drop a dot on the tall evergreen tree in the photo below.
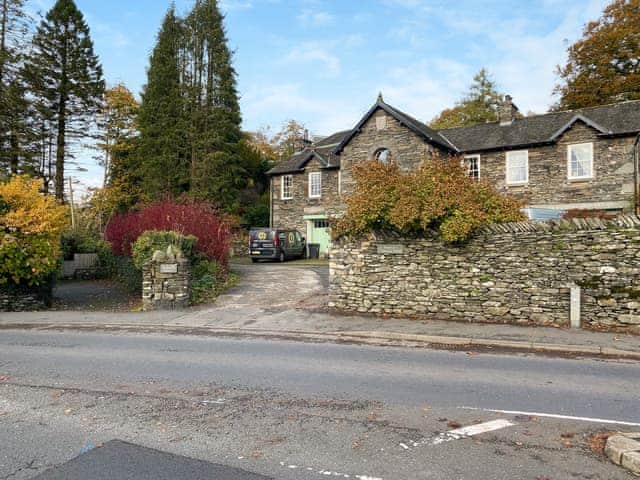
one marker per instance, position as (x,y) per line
(65,77)
(162,147)
(604,65)
(479,105)
(14,106)
(217,171)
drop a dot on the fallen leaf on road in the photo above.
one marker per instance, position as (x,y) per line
(519,444)
(453,424)
(56,395)
(472,353)
(68,411)
(442,419)
(568,435)
(356,445)
(598,441)
(567,444)
(4,378)
(257,454)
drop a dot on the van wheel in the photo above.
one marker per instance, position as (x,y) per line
(282,257)
(254,260)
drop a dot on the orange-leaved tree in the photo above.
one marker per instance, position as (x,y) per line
(30,228)
(603,66)
(439,196)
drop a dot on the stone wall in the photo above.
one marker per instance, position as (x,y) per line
(516,273)
(610,187)
(290,213)
(25,299)
(166,282)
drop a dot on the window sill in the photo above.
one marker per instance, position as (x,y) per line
(580,180)
(519,184)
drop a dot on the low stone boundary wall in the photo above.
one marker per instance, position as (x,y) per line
(515,273)
(25,299)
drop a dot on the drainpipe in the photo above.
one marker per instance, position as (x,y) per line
(636,160)
(271,202)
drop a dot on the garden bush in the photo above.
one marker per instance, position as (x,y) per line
(439,196)
(209,226)
(147,243)
(30,228)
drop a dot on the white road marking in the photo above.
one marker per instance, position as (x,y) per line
(553,415)
(461,433)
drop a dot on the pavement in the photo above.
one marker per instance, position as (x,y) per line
(289,302)
(307,411)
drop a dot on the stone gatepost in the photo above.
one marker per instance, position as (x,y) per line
(166,281)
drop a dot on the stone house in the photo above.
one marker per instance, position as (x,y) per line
(582,159)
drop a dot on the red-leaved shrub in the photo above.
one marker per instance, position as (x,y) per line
(210,227)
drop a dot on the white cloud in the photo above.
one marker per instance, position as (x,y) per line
(290,100)
(313,53)
(314,17)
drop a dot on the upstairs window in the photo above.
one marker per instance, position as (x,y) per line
(472,164)
(518,167)
(382,155)
(580,161)
(286,192)
(315,185)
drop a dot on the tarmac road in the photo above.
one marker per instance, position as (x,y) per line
(306,411)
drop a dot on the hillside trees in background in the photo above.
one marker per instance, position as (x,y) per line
(479,105)
(65,78)
(604,65)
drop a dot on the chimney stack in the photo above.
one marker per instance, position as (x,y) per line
(508,111)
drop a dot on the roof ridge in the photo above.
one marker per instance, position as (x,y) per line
(576,111)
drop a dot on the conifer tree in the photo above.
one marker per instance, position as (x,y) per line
(162,149)
(65,77)
(217,171)
(14,106)
(479,105)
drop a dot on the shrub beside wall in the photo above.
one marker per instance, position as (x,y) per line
(512,273)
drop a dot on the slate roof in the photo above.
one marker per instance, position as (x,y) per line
(324,151)
(609,120)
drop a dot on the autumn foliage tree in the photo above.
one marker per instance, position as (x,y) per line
(30,228)
(604,65)
(439,196)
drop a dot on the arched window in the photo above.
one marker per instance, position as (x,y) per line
(382,155)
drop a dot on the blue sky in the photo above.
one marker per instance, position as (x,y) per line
(323,62)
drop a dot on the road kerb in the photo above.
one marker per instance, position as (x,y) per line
(623,450)
(364,337)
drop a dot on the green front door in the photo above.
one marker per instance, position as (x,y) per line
(319,233)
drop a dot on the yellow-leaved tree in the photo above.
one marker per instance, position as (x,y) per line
(30,228)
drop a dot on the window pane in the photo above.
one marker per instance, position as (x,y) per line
(517,167)
(580,161)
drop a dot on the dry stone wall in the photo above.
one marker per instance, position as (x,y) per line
(513,273)
(25,299)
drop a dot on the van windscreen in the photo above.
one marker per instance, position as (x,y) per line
(261,234)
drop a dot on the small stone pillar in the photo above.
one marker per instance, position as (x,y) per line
(166,281)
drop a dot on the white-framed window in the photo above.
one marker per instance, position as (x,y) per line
(580,161)
(315,184)
(518,167)
(472,164)
(286,189)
